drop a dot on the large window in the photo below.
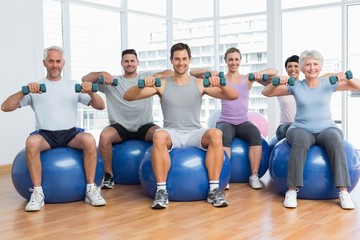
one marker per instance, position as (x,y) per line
(353,57)
(52,23)
(305,3)
(94,40)
(190,9)
(236,7)
(95,31)
(153,7)
(148,36)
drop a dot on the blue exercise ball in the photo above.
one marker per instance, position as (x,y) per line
(240,163)
(187,179)
(126,160)
(63,176)
(318,180)
(273,141)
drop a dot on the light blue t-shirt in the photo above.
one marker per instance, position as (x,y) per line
(57,108)
(313,111)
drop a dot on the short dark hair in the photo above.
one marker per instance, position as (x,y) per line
(293,58)
(179,46)
(128,51)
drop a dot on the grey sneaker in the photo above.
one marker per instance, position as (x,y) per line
(345,200)
(161,199)
(93,196)
(217,198)
(36,201)
(254,182)
(290,199)
(107,181)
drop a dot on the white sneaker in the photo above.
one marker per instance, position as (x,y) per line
(93,196)
(254,182)
(36,201)
(227,186)
(290,199)
(345,200)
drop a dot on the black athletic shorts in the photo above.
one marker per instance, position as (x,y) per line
(58,138)
(140,134)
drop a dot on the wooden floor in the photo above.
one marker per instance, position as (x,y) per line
(252,214)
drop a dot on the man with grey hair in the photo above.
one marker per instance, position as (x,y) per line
(56,114)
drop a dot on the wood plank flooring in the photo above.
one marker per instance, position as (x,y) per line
(252,214)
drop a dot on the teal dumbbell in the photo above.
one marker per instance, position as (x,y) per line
(276,81)
(265,77)
(141,83)
(94,87)
(206,81)
(114,83)
(222,79)
(334,79)
(25,89)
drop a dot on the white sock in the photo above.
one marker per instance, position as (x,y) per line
(213,184)
(161,185)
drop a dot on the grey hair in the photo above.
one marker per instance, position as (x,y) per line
(54,48)
(310,54)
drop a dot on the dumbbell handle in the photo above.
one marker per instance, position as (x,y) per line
(206,81)
(78,87)
(276,81)
(114,83)
(25,89)
(251,77)
(141,83)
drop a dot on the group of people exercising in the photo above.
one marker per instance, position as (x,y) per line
(305,119)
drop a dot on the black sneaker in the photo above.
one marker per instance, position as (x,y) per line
(107,181)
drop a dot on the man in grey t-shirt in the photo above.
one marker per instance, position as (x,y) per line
(128,120)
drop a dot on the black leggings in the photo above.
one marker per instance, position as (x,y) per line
(246,131)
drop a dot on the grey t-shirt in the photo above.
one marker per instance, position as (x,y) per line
(130,114)
(181,105)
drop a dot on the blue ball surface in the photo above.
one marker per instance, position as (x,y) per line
(187,179)
(126,160)
(273,141)
(63,176)
(240,163)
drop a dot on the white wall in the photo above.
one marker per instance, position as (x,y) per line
(21,46)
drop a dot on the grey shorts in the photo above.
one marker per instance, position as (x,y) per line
(186,138)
